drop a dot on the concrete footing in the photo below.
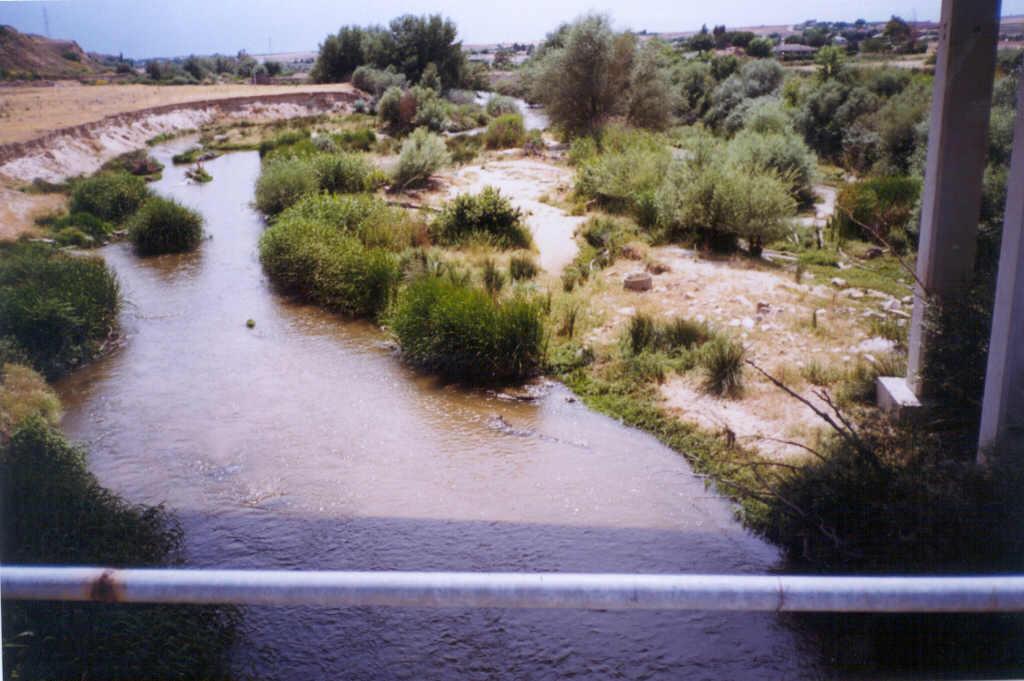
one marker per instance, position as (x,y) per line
(895,397)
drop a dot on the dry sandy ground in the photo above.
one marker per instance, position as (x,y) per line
(769,312)
(29,112)
(760,304)
(524,181)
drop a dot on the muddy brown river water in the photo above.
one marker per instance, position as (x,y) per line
(304,443)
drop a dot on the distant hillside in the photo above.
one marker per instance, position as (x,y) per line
(23,55)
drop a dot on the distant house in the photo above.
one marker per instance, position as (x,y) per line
(792,51)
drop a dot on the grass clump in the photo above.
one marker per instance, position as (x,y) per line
(165,226)
(55,512)
(199,174)
(645,334)
(465,334)
(505,132)
(328,264)
(57,310)
(464,148)
(282,182)
(135,163)
(190,155)
(423,153)
(722,362)
(109,196)
(521,268)
(487,215)
(24,394)
(345,173)
(365,217)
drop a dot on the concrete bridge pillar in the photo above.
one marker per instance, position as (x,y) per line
(951,201)
(1002,417)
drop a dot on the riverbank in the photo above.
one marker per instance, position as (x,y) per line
(64,131)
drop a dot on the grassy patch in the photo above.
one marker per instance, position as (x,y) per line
(55,512)
(56,308)
(165,226)
(109,196)
(465,334)
(487,215)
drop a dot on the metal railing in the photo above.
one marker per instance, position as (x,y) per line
(784,593)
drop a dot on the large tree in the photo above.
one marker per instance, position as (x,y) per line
(340,55)
(585,82)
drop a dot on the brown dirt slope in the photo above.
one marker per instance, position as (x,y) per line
(23,55)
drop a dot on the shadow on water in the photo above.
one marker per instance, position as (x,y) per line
(304,443)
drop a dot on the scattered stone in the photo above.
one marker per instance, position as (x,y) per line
(689,296)
(876,346)
(660,289)
(872,253)
(638,281)
(742,300)
(838,283)
(748,323)
(907,300)
(891,304)
(250,323)
(655,267)
(627,311)
(734,322)
(763,307)
(854,293)
(630,252)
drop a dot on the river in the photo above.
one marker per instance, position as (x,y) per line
(305,443)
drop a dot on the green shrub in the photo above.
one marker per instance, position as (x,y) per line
(375,80)
(522,267)
(431,110)
(55,512)
(285,139)
(464,334)
(72,236)
(365,217)
(329,266)
(343,173)
(282,182)
(355,140)
(875,208)
(717,202)
(785,154)
(487,214)
(500,105)
(464,117)
(58,309)
(722,361)
(190,155)
(165,226)
(463,148)
(423,153)
(505,132)
(672,337)
(109,196)
(626,174)
(493,278)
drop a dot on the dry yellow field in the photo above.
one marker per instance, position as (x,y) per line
(30,112)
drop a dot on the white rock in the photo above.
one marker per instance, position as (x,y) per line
(748,323)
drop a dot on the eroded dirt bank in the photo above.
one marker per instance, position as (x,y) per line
(82,149)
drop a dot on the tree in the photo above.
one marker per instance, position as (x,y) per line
(195,67)
(703,41)
(274,68)
(340,55)
(413,42)
(155,69)
(584,83)
(649,102)
(830,60)
(760,48)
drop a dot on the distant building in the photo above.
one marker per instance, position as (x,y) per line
(791,51)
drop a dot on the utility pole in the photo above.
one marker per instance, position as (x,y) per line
(46,22)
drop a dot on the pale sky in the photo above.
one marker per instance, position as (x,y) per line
(151,28)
